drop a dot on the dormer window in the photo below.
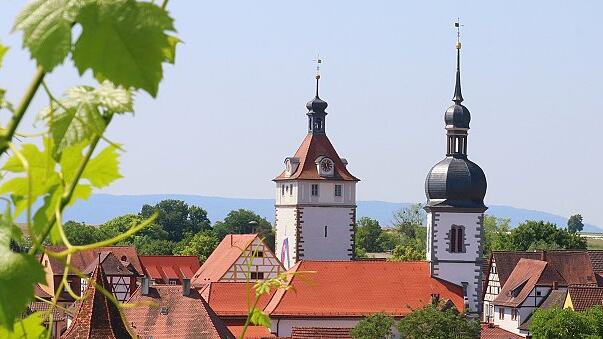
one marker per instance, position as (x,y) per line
(326,166)
(291,165)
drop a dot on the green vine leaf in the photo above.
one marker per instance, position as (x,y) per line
(3,50)
(32,327)
(19,273)
(46,27)
(103,169)
(81,113)
(133,33)
(259,318)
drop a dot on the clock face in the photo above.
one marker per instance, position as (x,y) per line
(326,165)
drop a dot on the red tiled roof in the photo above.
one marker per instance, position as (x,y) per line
(222,258)
(253,332)
(522,280)
(495,332)
(585,297)
(41,292)
(186,316)
(360,288)
(97,316)
(41,306)
(165,267)
(233,298)
(596,260)
(314,146)
(81,260)
(320,332)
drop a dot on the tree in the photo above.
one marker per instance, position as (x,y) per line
(125,222)
(389,239)
(375,326)
(574,223)
(177,218)
(407,217)
(201,244)
(146,245)
(497,234)
(438,321)
(407,253)
(557,323)
(534,235)
(244,221)
(367,235)
(81,234)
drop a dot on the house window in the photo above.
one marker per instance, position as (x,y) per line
(257,275)
(337,190)
(259,254)
(538,293)
(501,313)
(514,314)
(493,269)
(457,239)
(291,189)
(173,281)
(314,190)
(326,230)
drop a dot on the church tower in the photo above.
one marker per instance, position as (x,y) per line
(455,189)
(315,197)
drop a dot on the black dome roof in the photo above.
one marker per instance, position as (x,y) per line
(317,105)
(458,116)
(456,182)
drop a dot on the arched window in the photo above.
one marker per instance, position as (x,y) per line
(457,239)
(326,230)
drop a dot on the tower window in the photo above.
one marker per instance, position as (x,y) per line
(337,190)
(282,189)
(291,189)
(457,239)
(314,190)
(326,230)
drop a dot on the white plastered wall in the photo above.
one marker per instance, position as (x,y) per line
(337,244)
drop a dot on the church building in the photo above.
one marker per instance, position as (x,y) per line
(455,189)
(315,197)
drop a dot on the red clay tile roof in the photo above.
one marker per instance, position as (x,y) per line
(187,316)
(585,297)
(222,258)
(41,292)
(97,316)
(320,332)
(522,280)
(253,332)
(596,260)
(81,260)
(165,267)
(232,298)
(496,332)
(314,146)
(360,288)
(111,265)
(41,306)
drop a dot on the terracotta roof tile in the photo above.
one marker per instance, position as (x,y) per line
(232,298)
(320,332)
(585,297)
(314,146)
(97,316)
(596,260)
(495,332)
(220,260)
(165,267)
(174,315)
(253,332)
(522,280)
(81,260)
(349,288)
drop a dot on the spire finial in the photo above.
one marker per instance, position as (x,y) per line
(318,61)
(458,96)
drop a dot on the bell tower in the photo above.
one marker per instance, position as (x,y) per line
(315,211)
(455,188)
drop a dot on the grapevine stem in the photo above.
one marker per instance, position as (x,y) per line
(8,134)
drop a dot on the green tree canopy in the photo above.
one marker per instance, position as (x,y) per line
(406,218)
(556,323)
(123,223)
(201,244)
(574,223)
(82,234)
(534,235)
(497,234)
(367,235)
(244,221)
(438,322)
(376,326)
(177,218)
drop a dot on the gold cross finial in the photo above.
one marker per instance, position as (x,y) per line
(318,61)
(458,26)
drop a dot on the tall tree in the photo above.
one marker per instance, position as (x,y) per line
(497,234)
(367,235)
(81,234)
(438,321)
(405,219)
(534,235)
(375,326)
(201,244)
(574,223)
(556,323)
(244,221)
(177,218)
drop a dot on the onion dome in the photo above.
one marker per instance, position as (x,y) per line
(316,112)
(317,105)
(456,181)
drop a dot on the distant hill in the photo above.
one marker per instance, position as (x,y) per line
(102,207)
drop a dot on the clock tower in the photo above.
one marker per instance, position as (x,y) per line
(315,197)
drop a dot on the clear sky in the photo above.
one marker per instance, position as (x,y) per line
(233,107)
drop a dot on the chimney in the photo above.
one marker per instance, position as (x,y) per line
(554,285)
(186,287)
(543,255)
(230,240)
(145,285)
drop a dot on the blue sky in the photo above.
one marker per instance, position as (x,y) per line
(233,107)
